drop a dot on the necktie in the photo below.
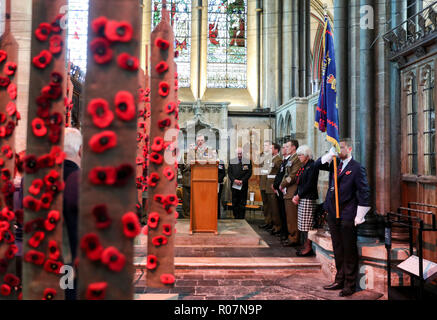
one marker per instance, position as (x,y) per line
(340,167)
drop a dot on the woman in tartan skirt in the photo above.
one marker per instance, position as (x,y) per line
(306,197)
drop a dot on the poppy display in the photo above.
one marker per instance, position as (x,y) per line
(156,158)
(52,91)
(101,216)
(131,225)
(3,56)
(43,31)
(49,294)
(96,291)
(161,67)
(46,161)
(38,127)
(159,241)
(31,203)
(56,44)
(98,25)
(10,68)
(171,199)
(42,60)
(12,91)
(30,164)
(99,110)
(52,219)
(169,173)
(55,132)
(159,198)
(4,82)
(11,252)
(102,175)
(113,259)
(116,31)
(57,154)
(128,62)
(158,144)
(36,186)
(51,178)
(54,252)
(162,43)
(90,243)
(125,107)
(102,53)
(11,279)
(103,141)
(170,107)
(153,179)
(164,89)
(167,278)
(34,257)
(53,266)
(124,173)
(36,239)
(152,262)
(153,220)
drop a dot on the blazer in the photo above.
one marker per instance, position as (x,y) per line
(353,189)
(263,174)
(307,181)
(275,167)
(221,172)
(240,171)
(280,174)
(289,180)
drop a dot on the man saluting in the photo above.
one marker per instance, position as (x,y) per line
(354,203)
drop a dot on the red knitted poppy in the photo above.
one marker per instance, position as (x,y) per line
(42,60)
(102,53)
(170,107)
(152,262)
(96,291)
(113,259)
(98,25)
(53,266)
(56,44)
(153,179)
(38,127)
(164,89)
(131,225)
(46,161)
(43,31)
(102,175)
(11,279)
(162,43)
(161,67)
(4,82)
(156,158)
(56,24)
(57,154)
(90,243)
(118,31)
(54,252)
(10,68)
(11,252)
(34,257)
(100,213)
(103,141)
(167,278)
(5,290)
(153,220)
(171,199)
(169,173)
(125,107)
(158,144)
(128,62)
(31,203)
(52,218)
(36,239)
(99,110)
(49,294)
(3,56)
(52,91)
(159,241)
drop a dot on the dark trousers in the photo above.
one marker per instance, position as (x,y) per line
(344,242)
(282,214)
(186,198)
(239,200)
(219,198)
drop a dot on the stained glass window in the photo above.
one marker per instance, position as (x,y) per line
(180,15)
(227,44)
(77,32)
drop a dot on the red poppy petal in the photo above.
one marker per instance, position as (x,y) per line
(164,89)
(153,220)
(131,225)
(152,262)
(96,291)
(35,257)
(125,107)
(128,62)
(118,31)
(102,53)
(103,141)
(100,213)
(162,43)
(161,67)
(42,60)
(99,110)
(167,278)
(49,294)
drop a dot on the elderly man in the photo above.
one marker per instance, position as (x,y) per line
(265,161)
(239,173)
(272,198)
(354,203)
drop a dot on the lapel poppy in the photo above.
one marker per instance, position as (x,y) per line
(159,241)
(36,239)
(98,25)
(118,31)
(46,161)
(96,291)
(38,127)
(43,31)
(161,67)
(53,266)
(164,123)
(127,62)
(156,158)
(100,213)
(42,60)
(54,252)
(152,262)
(103,141)
(124,173)
(3,55)
(36,186)
(4,82)
(348,173)
(102,53)
(52,218)
(99,110)
(153,220)
(31,203)
(102,175)
(153,179)
(162,43)
(12,91)
(11,279)
(49,294)
(5,290)
(11,252)
(34,257)
(166,230)
(169,173)
(56,44)
(167,278)
(131,225)
(158,144)
(113,259)
(164,89)
(90,243)
(10,68)
(56,24)
(125,107)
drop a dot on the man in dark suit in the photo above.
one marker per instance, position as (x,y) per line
(239,173)
(354,203)
(221,178)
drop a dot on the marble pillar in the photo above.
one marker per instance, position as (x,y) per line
(287,49)
(295,84)
(270,56)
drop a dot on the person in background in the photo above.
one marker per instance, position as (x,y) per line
(221,179)
(18,207)
(305,197)
(239,173)
(272,198)
(72,162)
(264,167)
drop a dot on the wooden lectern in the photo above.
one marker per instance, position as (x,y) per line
(204,197)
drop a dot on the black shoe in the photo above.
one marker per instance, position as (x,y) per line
(333,286)
(308,254)
(346,293)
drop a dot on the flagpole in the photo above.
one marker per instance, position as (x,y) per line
(337,209)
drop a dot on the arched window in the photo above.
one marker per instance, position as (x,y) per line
(227,44)
(180,16)
(77,32)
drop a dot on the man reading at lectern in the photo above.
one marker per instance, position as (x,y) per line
(239,172)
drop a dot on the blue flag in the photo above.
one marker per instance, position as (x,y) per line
(327,111)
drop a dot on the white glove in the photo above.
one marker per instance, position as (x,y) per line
(327,158)
(361,213)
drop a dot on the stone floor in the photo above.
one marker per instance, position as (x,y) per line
(259,276)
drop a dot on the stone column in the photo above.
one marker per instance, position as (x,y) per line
(258,52)
(302,37)
(341,59)
(270,55)
(295,84)
(287,49)
(279,69)
(307,57)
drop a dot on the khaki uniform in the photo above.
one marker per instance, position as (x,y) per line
(289,182)
(264,167)
(272,199)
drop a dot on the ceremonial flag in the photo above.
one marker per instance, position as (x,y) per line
(327,110)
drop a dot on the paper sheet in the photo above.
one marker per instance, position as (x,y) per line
(236,186)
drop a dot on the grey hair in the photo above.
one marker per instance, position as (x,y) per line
(305,150)
(72,141)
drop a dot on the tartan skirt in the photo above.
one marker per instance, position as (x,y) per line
(305,214)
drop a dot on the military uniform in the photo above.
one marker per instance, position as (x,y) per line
(221,178)
(239,170)
(272,198)
(289,183)
(264,167)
